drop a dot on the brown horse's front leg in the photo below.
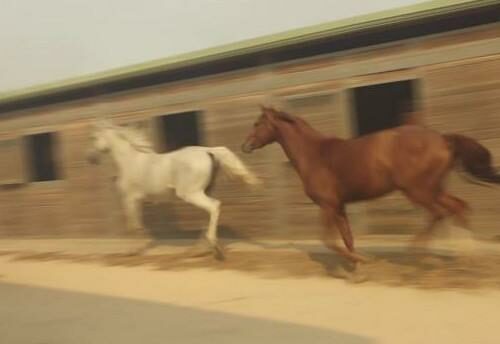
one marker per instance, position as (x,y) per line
(335,220)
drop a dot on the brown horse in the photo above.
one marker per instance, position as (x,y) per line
(334,171)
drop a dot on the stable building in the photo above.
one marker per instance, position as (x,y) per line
(440,59)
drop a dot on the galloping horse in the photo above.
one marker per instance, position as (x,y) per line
(334,171)
(142,173)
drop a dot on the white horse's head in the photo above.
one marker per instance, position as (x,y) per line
(100,139)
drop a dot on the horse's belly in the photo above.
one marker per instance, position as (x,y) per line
(159,195)
(369,187)
(366,194)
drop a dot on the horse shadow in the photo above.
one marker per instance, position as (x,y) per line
(163,224)
(418,268)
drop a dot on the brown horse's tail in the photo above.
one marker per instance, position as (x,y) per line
(475,158)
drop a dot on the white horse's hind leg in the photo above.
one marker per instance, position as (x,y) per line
(212,206)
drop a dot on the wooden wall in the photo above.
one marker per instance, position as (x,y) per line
(465,98)
(458,91)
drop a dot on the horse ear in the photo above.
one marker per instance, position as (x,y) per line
(272,114)
(265,109)
(284,116)
(267,113)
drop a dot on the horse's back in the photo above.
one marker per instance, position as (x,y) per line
(179,169)
(191,158)
(417,153)
(414,139)
(371,165)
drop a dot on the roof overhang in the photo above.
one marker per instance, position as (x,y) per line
(183,66)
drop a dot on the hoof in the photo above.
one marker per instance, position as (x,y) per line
(131,253)
(364,259)
(206,248)
(417,246)
(340,272)
(143,249)
(357,278)
(218,252)
(199,250)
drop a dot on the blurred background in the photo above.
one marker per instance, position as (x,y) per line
(194,72)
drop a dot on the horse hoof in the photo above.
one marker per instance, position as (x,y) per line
(417,246)
(218,252)
(199,251)
(339,272)
(366,259)
(357,278)
(131,254)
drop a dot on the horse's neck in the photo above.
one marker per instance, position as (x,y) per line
(301,144)
(122,154)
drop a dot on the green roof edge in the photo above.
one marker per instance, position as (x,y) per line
(376,19)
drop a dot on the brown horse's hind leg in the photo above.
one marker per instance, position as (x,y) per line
(428,201)
(335,221)
(423,237)
(455,206)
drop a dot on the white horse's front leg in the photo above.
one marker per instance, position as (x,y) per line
(133,210)
(134,214)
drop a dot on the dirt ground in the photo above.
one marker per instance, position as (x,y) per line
(406,268)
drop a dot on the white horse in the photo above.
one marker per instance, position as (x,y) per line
(143,173)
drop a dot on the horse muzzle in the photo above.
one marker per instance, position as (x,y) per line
(93,157)
(247,147)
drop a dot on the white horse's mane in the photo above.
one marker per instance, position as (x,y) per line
(136,138)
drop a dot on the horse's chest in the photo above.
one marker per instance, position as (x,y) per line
(320,185)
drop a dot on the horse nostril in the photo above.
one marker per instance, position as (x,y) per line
(92,158)
(246,148)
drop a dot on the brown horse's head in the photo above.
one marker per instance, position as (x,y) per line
(265,129)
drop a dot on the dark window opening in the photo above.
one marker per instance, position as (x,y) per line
(383,106)
(179,130)
(42,157)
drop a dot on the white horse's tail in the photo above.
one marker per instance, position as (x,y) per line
(232,165)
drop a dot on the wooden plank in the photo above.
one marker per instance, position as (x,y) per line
(320,111)
(350,64)
(455,103)
(459,77)
(245,211)
(13,162)
(470,76)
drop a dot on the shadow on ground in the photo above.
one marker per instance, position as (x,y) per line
(38,315)
(403,268)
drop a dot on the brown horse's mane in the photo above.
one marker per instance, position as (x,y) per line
(302,125)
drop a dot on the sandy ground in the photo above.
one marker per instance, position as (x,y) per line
(408,298)
(446,264)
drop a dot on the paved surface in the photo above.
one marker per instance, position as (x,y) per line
(31,315)
(61,302)
(57,302)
